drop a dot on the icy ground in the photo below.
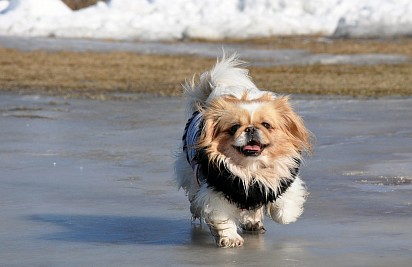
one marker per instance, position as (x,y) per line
(211,19)
(89,183)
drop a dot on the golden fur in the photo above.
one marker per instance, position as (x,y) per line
(286,138)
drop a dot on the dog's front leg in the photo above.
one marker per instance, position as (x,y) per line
(221,217)
(224,230)
(288,207)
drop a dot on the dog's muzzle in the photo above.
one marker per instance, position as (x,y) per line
(253,146)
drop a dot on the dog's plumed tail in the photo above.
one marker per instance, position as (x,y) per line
(228,77)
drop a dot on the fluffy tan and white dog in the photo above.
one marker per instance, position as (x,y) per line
(242,149)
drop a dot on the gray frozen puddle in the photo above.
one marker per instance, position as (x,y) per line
(88,183)
(257,57)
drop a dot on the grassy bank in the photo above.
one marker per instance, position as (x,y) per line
(94,74)
(314,44)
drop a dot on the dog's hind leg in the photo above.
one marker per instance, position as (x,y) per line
(251,221)
(185,179)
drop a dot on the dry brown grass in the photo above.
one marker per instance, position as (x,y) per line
(314,44)
(349,80)
(94,74)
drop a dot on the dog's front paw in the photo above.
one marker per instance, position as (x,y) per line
(229,241)
(226,235)
(288,207)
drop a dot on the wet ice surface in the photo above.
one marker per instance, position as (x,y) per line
(258,57)
(89,183)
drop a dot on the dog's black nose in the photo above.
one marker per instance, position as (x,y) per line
(250,130)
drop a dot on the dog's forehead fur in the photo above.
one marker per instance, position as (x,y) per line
(230,110)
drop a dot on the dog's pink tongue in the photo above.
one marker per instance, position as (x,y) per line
(251,148)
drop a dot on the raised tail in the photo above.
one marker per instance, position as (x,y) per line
(227,77)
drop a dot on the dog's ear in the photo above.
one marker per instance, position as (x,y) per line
(293,125)
(208,132)
(212,115)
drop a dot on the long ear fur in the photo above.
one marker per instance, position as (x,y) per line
(293,125)
(211,115)
(208,133)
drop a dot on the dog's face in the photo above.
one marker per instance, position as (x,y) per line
(252,131)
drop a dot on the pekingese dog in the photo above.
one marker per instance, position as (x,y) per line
(241,153)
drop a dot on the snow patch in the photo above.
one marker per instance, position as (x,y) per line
(210,19)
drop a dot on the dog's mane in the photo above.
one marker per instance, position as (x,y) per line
(221,179)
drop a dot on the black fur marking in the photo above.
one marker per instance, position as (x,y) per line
(187,124)
(185,133)
(220,179)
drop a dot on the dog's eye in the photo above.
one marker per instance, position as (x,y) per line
(266,125)
(234,129)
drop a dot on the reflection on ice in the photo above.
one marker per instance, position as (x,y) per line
(116,229)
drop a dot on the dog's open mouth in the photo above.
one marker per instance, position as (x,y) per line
(252,148)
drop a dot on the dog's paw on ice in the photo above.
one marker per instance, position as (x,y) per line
(229,242)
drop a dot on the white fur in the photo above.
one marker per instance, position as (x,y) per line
(226,78)
(251,107)
(223,217)
(289,206)
(220,215)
